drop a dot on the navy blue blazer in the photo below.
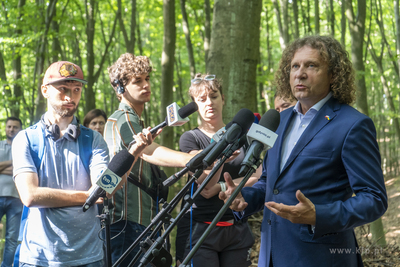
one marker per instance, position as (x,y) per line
(332,160)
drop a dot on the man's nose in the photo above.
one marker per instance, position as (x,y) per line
(301,73)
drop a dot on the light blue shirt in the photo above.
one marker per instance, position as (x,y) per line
(297,126)
(61,236)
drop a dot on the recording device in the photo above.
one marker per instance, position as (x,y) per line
(197,161)
(194,164)
(261,137)
(110,178)
(240,124)
(176,117)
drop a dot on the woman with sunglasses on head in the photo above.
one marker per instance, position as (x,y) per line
(230,242)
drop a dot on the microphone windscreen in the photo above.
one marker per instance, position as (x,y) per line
(270,120)
(244,118)
(187,110)
(121,162)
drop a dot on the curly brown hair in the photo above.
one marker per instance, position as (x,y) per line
(211,85)
(127,67)
(340,67)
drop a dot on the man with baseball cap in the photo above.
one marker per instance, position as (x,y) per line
(54,173)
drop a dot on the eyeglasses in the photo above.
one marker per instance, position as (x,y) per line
(206,78)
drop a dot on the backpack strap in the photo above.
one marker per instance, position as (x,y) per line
(85,141)
(36,143)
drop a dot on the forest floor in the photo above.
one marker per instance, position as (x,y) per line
(372,255)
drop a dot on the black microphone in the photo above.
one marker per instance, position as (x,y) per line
(194,164)
(110,178)
(261,137)
(240,124)
(176,117)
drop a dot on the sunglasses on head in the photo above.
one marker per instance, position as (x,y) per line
(206,78)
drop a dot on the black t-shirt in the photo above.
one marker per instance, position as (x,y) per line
(206,209)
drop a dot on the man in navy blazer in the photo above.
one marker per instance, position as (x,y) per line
(326,152)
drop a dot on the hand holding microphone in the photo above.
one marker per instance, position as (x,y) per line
(110,180)
(176,117)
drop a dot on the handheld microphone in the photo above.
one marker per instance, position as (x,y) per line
(261,137)
(194,164)
(176,117)
(110,178)
(240,124)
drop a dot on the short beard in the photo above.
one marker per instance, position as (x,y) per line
(62,112)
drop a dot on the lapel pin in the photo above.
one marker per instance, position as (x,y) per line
(327,117)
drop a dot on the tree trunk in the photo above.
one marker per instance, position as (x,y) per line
(186,31)
(234,52)
(167,68)
(129,40)
(296,19)
(316,16)
(357,29)
(40,58)
(331,17)
(207,29)
(343,23)
(91,75)
(397,19)
(90,54)
(282,21)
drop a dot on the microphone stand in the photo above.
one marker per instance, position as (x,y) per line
(221,212)
(163,216)
(153,251)
(105,221)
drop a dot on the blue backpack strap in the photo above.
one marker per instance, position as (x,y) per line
(85,141)
(36,143)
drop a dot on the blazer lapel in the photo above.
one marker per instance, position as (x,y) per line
(324,116)
(275,162)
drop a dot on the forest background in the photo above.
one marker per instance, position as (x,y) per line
(239,41)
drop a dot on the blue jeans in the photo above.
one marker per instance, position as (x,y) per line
(120,243)
(93,264)
(12,208)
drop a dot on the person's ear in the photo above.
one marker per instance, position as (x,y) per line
(223,100)
(45,91)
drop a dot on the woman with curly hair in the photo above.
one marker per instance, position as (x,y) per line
(323,176)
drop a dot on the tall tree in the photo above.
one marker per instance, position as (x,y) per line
(129,40)
(281,12)
(17,69)
(343,23)
(357,30)
(316,16)
(40,58)
(92,74)
(186,31)
(207,29)
(234,52)
(167,67)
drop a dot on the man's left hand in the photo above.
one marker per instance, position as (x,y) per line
(303,212)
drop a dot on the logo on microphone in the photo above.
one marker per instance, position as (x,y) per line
(171,113)
(108,181)
(262,133)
